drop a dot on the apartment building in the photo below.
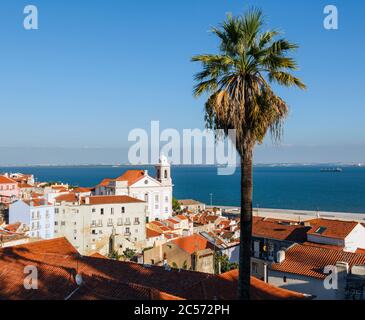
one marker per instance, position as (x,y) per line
(38,215)
(90,222)
(9,190)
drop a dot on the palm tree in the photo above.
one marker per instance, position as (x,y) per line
(237,81)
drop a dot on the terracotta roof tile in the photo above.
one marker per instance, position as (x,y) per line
(332,228)
(310,260)
(280,230)
(94,200)
(58,262)
(152,233)
(132,176)
(192,243)
(6,180)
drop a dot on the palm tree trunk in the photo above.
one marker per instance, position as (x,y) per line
(246,226)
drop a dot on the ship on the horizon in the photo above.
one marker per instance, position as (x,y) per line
(331,170)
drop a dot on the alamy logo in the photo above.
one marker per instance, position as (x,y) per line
(194,146)
(31,278)
(31,18)
(330,22)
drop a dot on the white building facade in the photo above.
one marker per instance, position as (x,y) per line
(89,222)
(37,215)
(156,192)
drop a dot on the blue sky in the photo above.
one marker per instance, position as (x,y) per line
(96,70)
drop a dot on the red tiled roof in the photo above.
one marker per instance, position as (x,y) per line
(6,180)
(181,217)
(94,200)
(310,260)
(192,243)
(13,227)
(132,176)
(333,228)
(68,197)
(221,286)
(152,233)
(58,262)
(105,182)
(98,255)
(24,186)
(279,229)
(173,221)
(38,202)
(82,190)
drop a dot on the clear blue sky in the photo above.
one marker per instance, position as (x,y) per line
(97,69)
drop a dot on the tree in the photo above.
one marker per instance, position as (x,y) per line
(129,253)
(222,263)
(114,255)
(238,83)
(176,205)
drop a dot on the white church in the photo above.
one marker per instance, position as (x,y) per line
(156,192)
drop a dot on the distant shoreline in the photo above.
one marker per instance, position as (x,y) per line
(271,165)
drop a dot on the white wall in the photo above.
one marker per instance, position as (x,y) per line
(301,284)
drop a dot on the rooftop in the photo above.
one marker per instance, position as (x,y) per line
(94,200)
(309,260)
(103,279)
(192,243)
(6,180)
(331,228)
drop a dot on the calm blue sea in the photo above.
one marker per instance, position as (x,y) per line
(302,187)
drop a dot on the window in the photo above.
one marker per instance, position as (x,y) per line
(254,267)
(284,279)
(112,211)
(165,174)
(127,221)
(156,198)
(93,223)
(320,230)
(56,210)
(127,230)
(166,210)
(102,211)
(136,220)
(63,223)
(93,210)
(110,222)
(120,222)
(167,199)
(56,223)
(123,209)
(146,197)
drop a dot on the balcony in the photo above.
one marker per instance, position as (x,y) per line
(127,234)
(136,223)
(110,224)
(127,223)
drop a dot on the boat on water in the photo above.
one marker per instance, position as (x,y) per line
(331,170)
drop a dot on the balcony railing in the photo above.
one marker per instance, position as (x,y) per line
(127,234)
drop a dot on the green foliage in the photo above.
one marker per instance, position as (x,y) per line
(185,265)
(129,253)
(238,79)
(225,265)
(175,205)
(174,265)
(114,255)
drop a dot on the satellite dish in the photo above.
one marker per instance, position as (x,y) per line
(78,279)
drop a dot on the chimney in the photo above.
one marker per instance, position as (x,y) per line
(280,256)
(87,200)
(342,269)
